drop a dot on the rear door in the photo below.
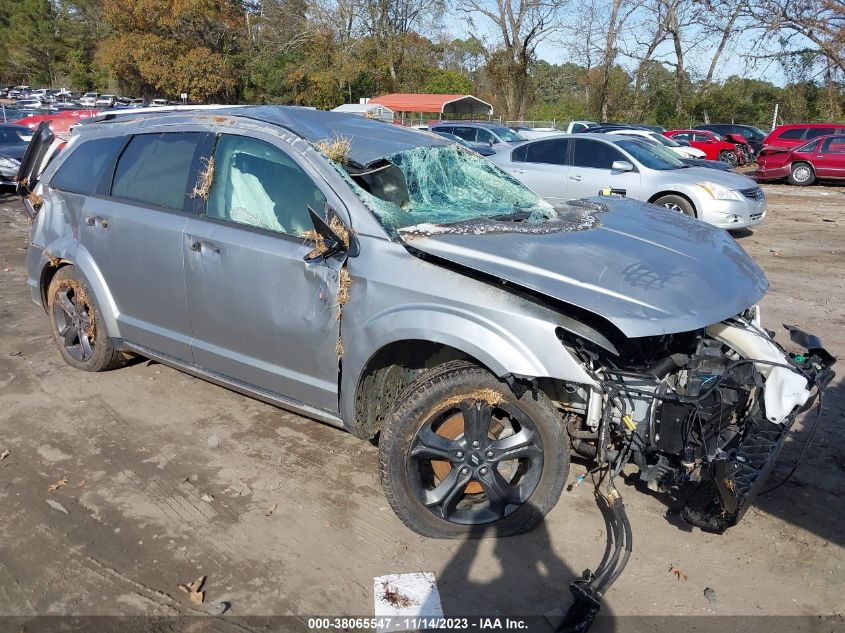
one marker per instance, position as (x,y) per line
(261,314)
(542,165)
(829,160)
(136,235)
(591,172)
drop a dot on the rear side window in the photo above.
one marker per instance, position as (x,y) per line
(83,171)
(155,169)
(835,145)
(815,132)
(594,154)
(551,152)
(793,133)
(466,133)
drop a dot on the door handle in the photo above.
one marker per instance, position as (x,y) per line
(578,178)
(196,246)
(90,220)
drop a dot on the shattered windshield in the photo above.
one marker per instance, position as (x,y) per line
(444,185)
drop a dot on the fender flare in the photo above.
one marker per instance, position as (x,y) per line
(67,251)
(539,353)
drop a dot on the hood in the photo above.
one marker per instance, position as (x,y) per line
(646,270)
(692,175)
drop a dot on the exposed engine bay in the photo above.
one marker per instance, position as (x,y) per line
(701,414)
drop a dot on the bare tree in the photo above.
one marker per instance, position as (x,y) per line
(519,26)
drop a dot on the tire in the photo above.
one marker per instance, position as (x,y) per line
(76,331)
(471,482)
(676,203)
(729,157)
(801,174)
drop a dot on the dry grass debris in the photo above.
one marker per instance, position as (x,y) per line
(81,298)
(335,148)
(35,200)
(490,396)
(320,246)
(206,180)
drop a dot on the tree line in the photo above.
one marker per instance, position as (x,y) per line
(641,60)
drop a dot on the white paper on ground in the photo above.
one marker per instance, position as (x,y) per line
(399,596)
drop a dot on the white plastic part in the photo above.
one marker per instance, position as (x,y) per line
(784,388)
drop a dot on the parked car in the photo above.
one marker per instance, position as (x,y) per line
(14,140)
(753,135)
(819,159)
(797,134)
(709,164)
(89,99)
(534,132)
(482,332)
(474,132)
(583,165)
(482,148)
(580,126)
(60,123)
(106,101)
(18,92)
(159,103)
(681,151)
(711,144)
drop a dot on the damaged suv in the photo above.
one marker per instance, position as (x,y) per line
(396,285)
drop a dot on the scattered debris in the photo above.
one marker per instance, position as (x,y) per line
(679,573)
(35,200)
(709,594)
(271,510)
(775,252)
(490,396)
(80,297)
(54,261)
(219,608)
(394,597)
(214,440)
(207,498)
(4,454)
(338,347)
(194,590)
(57,485)
(336,148)
(81,483)
(411,594)
(56,506)
(343,291)
(16,354)
(320,246)
(206,180)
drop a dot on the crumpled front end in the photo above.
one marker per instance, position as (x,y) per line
(703,415)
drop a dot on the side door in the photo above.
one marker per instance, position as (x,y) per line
(829,161)
(135,235)
(542,165)
(260,313)
(591,170)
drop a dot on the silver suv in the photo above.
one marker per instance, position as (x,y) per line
(396,285)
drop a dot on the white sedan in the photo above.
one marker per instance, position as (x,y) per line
(683,151)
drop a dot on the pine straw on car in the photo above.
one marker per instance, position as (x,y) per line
(491,396)
(81,298)
(320,246)
(206,180)
(335,148)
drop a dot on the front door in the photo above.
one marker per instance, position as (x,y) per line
(542,166)
(591,171)
(260,313)
(830,158)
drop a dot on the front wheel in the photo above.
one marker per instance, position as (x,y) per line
(462,455)
(676,203)
(729,157)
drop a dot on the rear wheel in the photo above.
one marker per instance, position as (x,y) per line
(802,174)
(676,203)
(729,157)
(462,454)
(75,320)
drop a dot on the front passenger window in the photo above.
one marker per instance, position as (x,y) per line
(257,184)
(595,154)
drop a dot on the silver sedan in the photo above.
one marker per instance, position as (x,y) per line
(571,166)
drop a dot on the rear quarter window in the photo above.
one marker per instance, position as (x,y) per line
(89,165)
(792,133)
(155,168)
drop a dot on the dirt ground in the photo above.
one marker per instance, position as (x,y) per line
(169,478)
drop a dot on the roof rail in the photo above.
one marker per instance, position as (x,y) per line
(111,115)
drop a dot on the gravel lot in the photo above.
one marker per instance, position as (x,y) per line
(169,478)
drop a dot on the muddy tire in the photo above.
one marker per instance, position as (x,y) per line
(676,203)
(74,321)
(462,456)
(729,157)
(801,174)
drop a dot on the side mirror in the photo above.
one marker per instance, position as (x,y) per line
(622,165)
(327,241)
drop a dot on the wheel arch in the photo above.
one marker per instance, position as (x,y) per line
(680,194)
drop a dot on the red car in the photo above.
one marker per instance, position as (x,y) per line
(823,157)
(798,134)
(709,143)
(60,123)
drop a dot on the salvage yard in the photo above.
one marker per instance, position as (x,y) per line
(115,488)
